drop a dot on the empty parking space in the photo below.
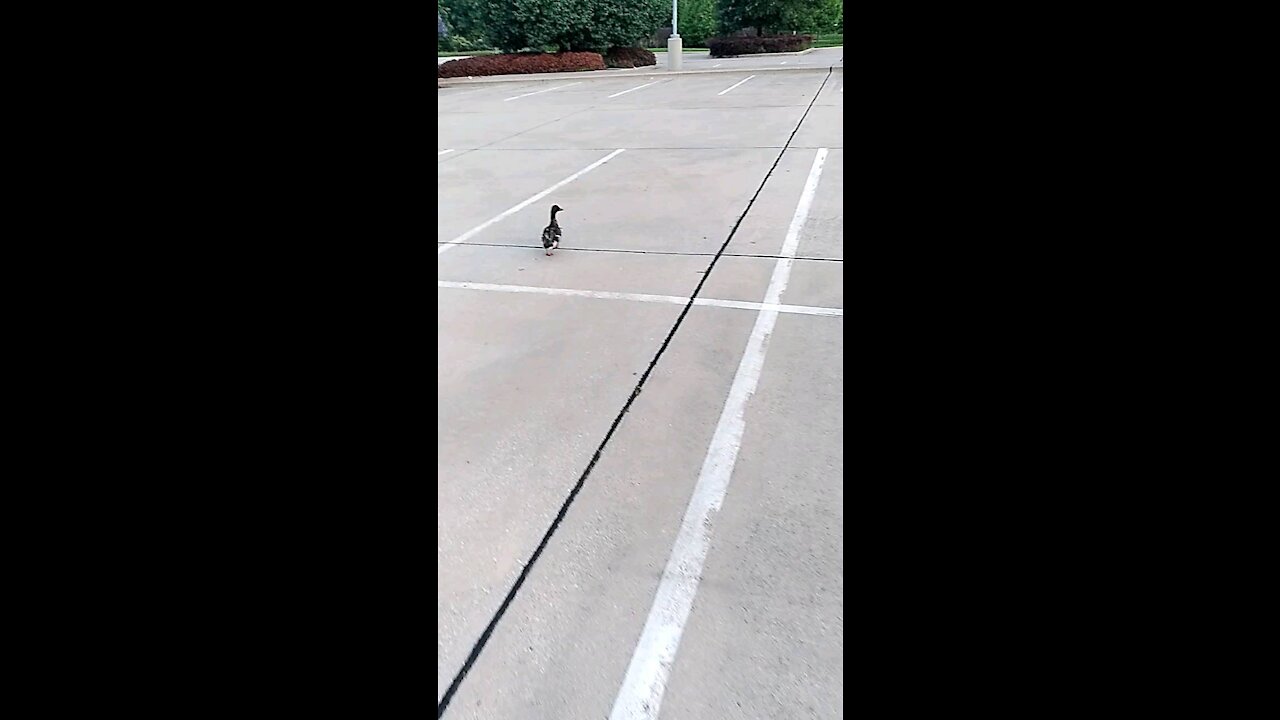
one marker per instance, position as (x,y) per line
(765,639)
(506,184)
(524,386)
(663,127)
(728,90)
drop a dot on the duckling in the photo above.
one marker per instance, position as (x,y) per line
(551,233)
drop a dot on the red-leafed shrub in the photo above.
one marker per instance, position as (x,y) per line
(731,46)
(628,57)
(519,63)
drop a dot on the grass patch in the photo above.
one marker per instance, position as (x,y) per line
(829,40)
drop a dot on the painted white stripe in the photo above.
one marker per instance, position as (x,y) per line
(538,92)
(784,62)
(713,67)
(641,297)
(533,199)
(443,152)
(646,681)
(624,92)
(734,85)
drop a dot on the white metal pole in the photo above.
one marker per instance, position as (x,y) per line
(675,46)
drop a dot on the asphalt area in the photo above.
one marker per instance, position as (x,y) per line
(640,475)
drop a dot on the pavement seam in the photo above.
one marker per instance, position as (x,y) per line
(483,640)
(639,252)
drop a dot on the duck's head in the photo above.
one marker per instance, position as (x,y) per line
(556,209)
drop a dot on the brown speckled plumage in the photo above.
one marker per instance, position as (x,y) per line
(551,233)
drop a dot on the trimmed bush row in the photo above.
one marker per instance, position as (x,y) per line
(628,57)
(731,46)
(521,63)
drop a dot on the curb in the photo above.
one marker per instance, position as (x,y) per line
(535,77)
(798,52)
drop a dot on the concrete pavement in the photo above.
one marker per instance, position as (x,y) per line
(538,356)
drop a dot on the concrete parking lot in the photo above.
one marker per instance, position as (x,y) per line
(702,60)
(640,475)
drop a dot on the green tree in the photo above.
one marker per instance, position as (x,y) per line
(570,24)
(463,17)
(697,21)
(466,25)
(831,17)
(769,16)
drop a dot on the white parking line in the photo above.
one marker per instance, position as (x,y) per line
(533,199)
(624,92)
(734,85)
(536,92)
(443,152)
(713,67)
(646,680)
(641,297)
